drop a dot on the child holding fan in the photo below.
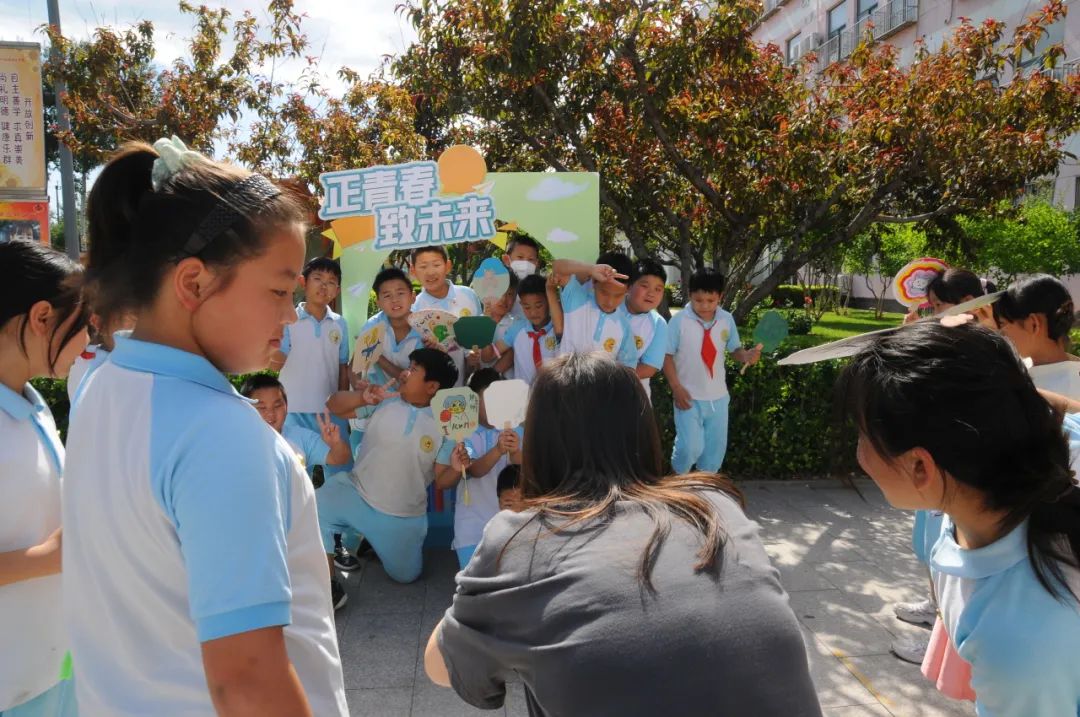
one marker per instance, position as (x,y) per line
(949,421)
(42,330)
(195,577)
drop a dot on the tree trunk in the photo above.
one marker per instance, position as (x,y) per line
(784,269)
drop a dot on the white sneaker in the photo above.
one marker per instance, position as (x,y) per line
(911,649)
(917,613)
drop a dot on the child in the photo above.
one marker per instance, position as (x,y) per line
(490,450)
(698,337)
(509,488)
(951,287)
(530,341)
(194,577)
(592,299)
(499,311)
(1036,315)
(386,498)
(431,265)
(324,448)
(42,330)
(522,258)
(315,349)
(650,330)
(95,354)
(949,421)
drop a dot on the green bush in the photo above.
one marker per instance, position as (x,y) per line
(54,391)
(673,293)
(793,296)
(799,322)
(781,423)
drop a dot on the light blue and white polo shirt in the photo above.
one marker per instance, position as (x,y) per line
(469,520)
(650,340)
(396,352)
(31,463)
(685,336)
(84,365)
(1019,639)
(186,519)
(459,301)
(315,351)
(587,329)
(517,338)
(396,461)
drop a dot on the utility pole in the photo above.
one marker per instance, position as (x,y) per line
(67,164)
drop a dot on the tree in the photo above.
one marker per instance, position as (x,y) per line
(1039,238)
(879,253)
(711,149)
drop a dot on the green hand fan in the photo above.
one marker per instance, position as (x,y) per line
(770,332)
(474,331)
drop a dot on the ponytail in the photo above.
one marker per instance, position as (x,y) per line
(1041,294)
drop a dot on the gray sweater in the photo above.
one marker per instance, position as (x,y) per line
(567,613)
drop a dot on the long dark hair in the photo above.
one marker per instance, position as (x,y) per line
(1041,294)
(591,442)
(31,272)
(963,395)
(136,232)
(952,286)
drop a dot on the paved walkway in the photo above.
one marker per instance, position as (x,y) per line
(843,560)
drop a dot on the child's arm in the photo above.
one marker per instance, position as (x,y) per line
(250,673)
(505,362)
(344,403)
(683,401)
(343,377)
(34,562)
(1061,403)
(653,359)
(494,351)
(563,269)
(747,356)
(555,305)
(448,475)
(340,451)
(390,368)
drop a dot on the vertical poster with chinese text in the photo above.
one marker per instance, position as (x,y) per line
(22,137)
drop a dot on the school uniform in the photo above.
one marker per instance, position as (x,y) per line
(532,347)
(587,329)
(650,341)
(394,351)
(34,641)
(460,301)
(470,519)
(697,348)
(385,495)
(315,350)
(187,519)
(500,338)
(1019,639)
(309,446)
(1062,378)
(85,364)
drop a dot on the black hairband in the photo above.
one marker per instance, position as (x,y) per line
(227,212)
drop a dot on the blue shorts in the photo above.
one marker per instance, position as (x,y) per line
(57,701)
(399,542)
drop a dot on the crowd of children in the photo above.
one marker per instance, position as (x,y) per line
(199,557)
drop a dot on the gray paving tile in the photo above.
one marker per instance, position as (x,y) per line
(836,685)
(903,690)
(840,625)
(432,701)
(874,710)
(379,650)
(382,702)
(377,593)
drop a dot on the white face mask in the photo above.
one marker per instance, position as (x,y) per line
(522,268)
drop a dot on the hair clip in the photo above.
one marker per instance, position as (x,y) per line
(173,155)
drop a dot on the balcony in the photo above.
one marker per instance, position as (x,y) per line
(1069,69)
(769,7)
(878,24)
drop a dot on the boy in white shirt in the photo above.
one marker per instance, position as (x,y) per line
(431,265)
(385,495)
(650,329)
(530,341)
(522,258)
(314,355)
(698,336)
(592,298)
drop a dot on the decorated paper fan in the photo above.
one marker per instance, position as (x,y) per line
(458,412)
(505,402)
(369,347)
(910,283)
(491,280)
(434,325)
(474,331)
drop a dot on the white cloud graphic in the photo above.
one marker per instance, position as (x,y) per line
(561,236)
(551,189)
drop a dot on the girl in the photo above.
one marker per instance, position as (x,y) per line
(617,591)
(172,607)
(952,287)
(950,421)
(1036,314)
(42,330)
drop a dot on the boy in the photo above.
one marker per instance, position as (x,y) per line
(327,447)
(530,341)
(315,349)
(431,265)
(698,336)
(650,329)
(510,489)
(385,495)
(592,299)
(522,258)
(490,449)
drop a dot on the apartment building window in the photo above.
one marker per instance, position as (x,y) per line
(838,19)
(866,7)
(793,47)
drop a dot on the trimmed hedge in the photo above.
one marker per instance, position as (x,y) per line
(781,420)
